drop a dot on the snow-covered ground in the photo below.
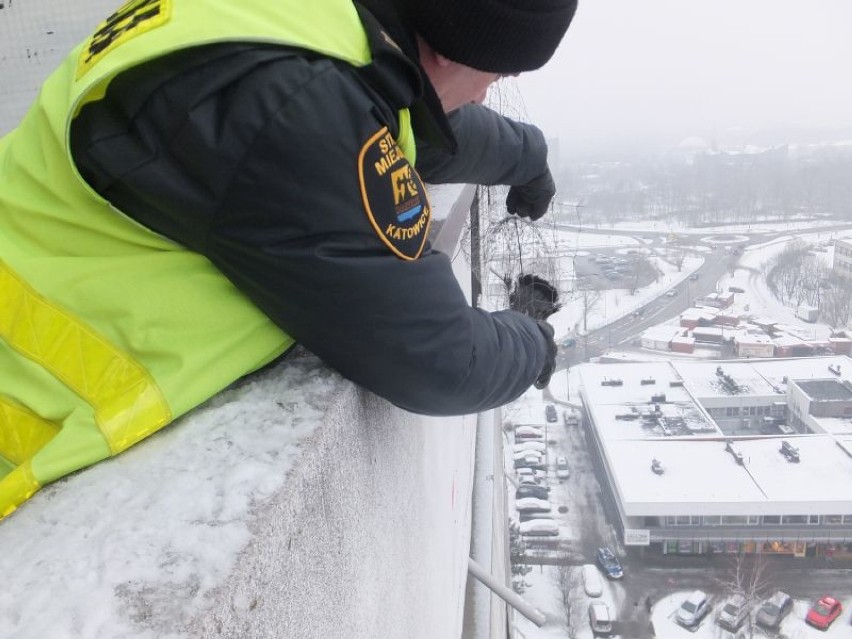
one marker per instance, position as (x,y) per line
(542,590)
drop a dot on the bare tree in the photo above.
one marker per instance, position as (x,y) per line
(747,576)
(569,587)
(836,306)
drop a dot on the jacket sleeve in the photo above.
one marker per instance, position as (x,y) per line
(278,207)
(492,149)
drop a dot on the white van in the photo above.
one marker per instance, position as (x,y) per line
(600,619)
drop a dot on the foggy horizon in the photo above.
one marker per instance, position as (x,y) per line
(630,78)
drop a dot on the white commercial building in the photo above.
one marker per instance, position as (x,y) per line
(726,456)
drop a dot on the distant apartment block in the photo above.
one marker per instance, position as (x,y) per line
(842,259)
(727,456)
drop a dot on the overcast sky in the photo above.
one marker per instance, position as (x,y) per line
(664,70)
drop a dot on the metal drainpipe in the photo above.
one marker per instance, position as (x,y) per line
(506,594)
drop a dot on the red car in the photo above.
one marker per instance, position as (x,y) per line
(823,612)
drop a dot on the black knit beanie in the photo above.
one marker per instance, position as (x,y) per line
(500,36)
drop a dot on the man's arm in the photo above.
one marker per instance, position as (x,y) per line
(492,150)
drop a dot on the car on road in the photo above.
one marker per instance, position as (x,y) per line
(562,469)
(671,292)
(823,612)
(693,276)
(772,611)
(569,342)
(609,563)
(539,528)
(592,583)
(693,609)
(733,613)
(550,413)
(600,619)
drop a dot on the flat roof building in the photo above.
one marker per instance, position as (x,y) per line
(726,456)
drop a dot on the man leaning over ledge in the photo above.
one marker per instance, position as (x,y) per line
(201,184)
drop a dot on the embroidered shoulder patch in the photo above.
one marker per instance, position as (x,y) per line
(132,19)
(394,197)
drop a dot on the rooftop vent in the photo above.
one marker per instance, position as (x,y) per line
(614,381)
(834,369)
(657,467)
(648,381)
(675,383)
(737,455)
(659,398)
(727,381)
(789,451)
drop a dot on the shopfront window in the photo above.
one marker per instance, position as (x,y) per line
(735,520)
(712,520)
(832,520)
(771,520)
(794,519)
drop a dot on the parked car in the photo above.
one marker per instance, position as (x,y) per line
(539,455)
(569,342)
(600,619)
(733,613)
(530,459)
(609,563)
(532,444)
(537,476)
(693,276)
(592,583)
(539,528)
(772,612)
(529,515)
(562,470)
(823,612)
(550,413)
(539,492)
(532,504)
(671,292)
(526,433)
(693,609)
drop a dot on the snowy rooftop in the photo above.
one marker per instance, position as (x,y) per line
(700,474)
(703,380)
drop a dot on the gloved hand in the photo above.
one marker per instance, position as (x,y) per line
(534,296)
(550,365)
(531,199)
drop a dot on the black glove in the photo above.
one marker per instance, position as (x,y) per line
(531,199)
(550,365)
(534,296)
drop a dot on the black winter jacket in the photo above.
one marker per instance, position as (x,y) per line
(247,154)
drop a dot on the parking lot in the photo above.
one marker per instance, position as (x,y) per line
(653,585)
(608,269)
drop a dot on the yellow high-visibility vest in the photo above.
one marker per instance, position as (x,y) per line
(109,331)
